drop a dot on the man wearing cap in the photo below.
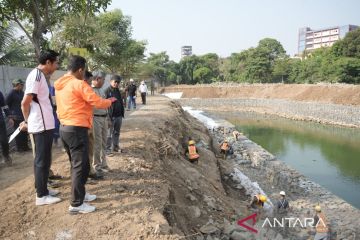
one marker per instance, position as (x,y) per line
(143,91)
(282,205)
(13,100)
(321,225)
(115,114)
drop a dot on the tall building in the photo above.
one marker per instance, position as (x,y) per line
(312,39)
(186,51)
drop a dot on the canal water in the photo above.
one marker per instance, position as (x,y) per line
(328,155)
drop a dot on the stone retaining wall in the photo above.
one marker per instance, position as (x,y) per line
(273,176)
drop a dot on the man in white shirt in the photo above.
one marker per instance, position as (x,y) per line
(37,109)
(143,91)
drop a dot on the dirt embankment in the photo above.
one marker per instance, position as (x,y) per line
(152,192)
(324,93)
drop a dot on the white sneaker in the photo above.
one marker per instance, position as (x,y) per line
(83,208)
(46,200)
(53,192)
(88,197)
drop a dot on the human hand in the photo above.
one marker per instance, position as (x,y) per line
(23,126)
(11,122)
(113,99)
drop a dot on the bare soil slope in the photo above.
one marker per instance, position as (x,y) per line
(326,93)
(153,192)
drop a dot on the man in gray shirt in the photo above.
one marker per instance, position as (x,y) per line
(100,127)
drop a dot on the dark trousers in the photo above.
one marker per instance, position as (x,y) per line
(4,139)
(21,139)
(113,138)
(76,143)
(143,98)
(42,161)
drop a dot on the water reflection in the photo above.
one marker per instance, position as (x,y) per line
(329,155)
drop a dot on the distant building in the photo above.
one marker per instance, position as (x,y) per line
(312,39)
(186,51)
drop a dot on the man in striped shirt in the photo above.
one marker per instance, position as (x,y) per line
(39,120)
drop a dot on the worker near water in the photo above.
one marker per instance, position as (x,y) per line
(236,135)
(321,225)
(191,152)
(225,148)
(257,202)
(282,205)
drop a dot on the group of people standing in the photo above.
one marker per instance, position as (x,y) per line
(87,117)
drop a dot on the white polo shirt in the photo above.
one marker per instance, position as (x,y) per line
(41,116)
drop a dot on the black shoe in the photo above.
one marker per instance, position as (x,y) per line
(96,176)
(53,184)
(8,160)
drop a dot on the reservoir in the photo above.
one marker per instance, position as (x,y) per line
(328,155)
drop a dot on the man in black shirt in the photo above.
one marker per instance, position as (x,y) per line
(115,114)
(131,94)
(13,100)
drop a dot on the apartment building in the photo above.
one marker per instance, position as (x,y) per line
(310,39)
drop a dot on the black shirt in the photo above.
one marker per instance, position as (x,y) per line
(132,90)
(13,100)
(117,108)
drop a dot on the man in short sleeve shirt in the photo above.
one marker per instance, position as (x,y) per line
(39,121)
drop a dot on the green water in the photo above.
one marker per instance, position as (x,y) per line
(328,155)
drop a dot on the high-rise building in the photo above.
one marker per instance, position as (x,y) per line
(312,39)
(186,51)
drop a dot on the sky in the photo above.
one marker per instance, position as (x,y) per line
(228,26)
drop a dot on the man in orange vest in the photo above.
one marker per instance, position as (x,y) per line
(257,202)
(192,152)
(225,148)
(321,225)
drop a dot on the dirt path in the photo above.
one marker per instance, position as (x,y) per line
(153,192)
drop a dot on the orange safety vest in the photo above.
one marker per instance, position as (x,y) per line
(192,152)
(225,146)
(321,225)
(258,202)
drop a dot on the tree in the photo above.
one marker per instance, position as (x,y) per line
(348,70)
(13,51)
(159,63)
(282,69)
(349,46)
(187,67)
(36,18)
(121,53)
(203,75)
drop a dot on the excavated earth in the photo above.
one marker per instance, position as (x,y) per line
(152,192)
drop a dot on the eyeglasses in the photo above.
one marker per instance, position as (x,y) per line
(117,82)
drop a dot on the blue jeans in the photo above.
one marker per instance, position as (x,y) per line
(131,101)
